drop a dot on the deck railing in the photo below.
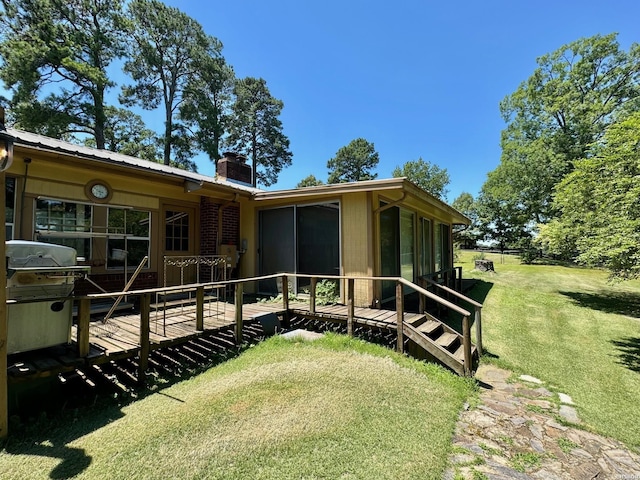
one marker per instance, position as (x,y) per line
(402,285)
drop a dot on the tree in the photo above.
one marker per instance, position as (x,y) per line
(310,181)
(256,131)
(166,49)
(464,235)
(126,133)
(426,175)
(555,117)
(353,163)
(600,203)
(55,56)
(208,99)
(500,219)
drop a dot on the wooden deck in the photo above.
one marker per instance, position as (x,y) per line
(119,338)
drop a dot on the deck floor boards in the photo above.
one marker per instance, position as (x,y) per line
(119,337)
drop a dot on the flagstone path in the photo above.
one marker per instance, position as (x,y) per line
(521,430)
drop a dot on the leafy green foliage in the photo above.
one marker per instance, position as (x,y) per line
(499,218)
(207,101)
(327,292)
(166,49)
(354,162)
(310,181)
(467,236)
(555,118)
(426,175)
(600,202)
(126,133)
(256,130)
(55,55)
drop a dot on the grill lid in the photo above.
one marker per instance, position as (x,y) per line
(26,254)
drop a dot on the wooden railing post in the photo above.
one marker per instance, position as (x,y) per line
(400,316)
(466,343)
(350,306)
(82,334)
(145,309)
(285,293)
(200,309)
(422,300)
(238,302)
(312,295)
(478,322)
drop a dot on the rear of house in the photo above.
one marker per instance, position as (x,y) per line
(116,210)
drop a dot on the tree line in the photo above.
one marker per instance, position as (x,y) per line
(57,61)
(567,183)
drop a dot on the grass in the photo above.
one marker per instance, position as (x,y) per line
(335,408)
(571,328)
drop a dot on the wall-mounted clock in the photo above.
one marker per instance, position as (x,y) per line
(98,191)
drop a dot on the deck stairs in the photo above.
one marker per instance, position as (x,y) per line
(439,342)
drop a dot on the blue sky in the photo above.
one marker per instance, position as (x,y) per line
(416,78)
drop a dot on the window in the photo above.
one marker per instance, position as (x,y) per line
(64,223)
(425,262)
(128,237)
(177,231)
(397,247)
(10,199)
(299,239)
(123,233)
(442,250)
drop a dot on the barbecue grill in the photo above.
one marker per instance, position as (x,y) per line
(40,279)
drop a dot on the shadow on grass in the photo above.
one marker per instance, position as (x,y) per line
(622,303)
(40,441)
(479,293)
(49,435)
(629,348)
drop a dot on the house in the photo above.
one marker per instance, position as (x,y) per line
(115,210)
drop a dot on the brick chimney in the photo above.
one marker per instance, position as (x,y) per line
(233,167)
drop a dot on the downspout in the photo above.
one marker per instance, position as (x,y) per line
(390,205)
(27,161)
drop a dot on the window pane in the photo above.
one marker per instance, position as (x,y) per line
(426,247)
(407,242)
(59,216)
(318,241)
(389,249)
(176,231)
(131,239)
(277,245)
(133,251)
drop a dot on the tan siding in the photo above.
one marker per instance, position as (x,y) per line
(356,243)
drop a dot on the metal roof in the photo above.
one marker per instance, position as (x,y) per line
(35,140)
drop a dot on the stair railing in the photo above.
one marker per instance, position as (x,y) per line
(476,305)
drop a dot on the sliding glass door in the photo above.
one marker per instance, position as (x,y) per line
(299,239)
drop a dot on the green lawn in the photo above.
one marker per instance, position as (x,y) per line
(571,328)
(335,408)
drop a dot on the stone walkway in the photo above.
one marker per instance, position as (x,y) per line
(519,431)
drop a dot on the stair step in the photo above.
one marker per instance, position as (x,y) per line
(429,327)
(446,339)
(459,353)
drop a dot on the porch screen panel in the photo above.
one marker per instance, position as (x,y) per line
(389,249)
(277,245)
(318,241)
(437,235)
(446,247)
(426,244)
(407,245)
